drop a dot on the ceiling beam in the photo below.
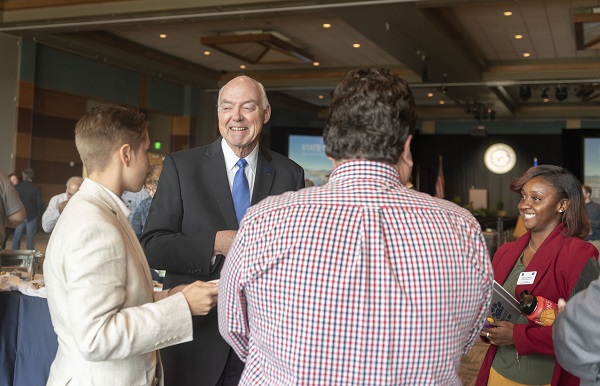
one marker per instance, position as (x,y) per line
(113,50)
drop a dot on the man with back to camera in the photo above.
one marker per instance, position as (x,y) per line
(31,196)
(361,281)
(108,319)
(57,204)
(12,211)
(193,219)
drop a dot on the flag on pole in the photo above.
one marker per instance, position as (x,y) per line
(439,184)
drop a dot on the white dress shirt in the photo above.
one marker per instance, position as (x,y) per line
(231,167)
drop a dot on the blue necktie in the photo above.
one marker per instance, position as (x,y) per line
(240,190)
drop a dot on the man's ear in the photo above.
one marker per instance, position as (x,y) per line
(267,114)
(405,162)
(125,154)
(406,155)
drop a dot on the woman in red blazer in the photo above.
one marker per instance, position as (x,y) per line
(553,254)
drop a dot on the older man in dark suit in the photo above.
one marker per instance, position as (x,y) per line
(194,217)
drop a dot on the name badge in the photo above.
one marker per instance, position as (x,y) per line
(526,278)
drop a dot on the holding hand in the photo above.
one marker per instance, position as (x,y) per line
(500,333)
(201,297)
(223,241)
(61,206)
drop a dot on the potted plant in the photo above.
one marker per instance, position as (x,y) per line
(500,208)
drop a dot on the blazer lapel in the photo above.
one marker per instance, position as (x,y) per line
(543,258)
(214,167)
(137,248)
(265,175)
(101,195)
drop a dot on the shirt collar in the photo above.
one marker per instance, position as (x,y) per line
(231,158)
(118,200)
(364,169)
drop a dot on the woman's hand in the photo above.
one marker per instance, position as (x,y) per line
(498,333)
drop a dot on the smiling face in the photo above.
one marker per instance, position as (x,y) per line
(540,207)
(242,114)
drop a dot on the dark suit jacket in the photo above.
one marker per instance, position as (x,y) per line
(192,202)
(31,196)
(558,263)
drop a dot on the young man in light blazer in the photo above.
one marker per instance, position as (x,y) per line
(109,320)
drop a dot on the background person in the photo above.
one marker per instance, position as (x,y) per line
(57,204)
(108,319)
(593,210)
(193,220)
(576,336)
(361,281)
(12,211)
(141,213)
(13,178)
(9,230)
(132,200)
(31,196)
(553,253)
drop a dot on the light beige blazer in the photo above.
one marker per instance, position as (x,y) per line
(108,319)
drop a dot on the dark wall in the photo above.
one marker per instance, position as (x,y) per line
(464,168)
(463,161)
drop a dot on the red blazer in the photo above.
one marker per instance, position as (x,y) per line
(558,262)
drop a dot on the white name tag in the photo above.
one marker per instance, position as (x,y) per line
(526,278)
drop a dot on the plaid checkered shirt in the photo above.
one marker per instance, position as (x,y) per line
(358,282)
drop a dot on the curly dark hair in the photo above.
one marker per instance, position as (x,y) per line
(566,186)
(372,114)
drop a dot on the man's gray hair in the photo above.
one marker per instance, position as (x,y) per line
(74,178)
(263,93)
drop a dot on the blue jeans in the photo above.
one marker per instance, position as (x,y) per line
(30,228)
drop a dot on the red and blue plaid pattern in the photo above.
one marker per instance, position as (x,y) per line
(358,282)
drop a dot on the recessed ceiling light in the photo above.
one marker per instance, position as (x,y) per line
(163,36)
(507,13)
(518,37)
(206,53)
(356,45)
(429,94)
(442,102)
(526,54)
(242,66)
(316,64)
(326,25)
(321,97)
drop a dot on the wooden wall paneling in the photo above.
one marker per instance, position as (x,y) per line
(55,150)
(24,120)
(181,133)
(179,142)
(52,176)
(26,94)
(23,145)
(54,157)
(52,127)
(59,104)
